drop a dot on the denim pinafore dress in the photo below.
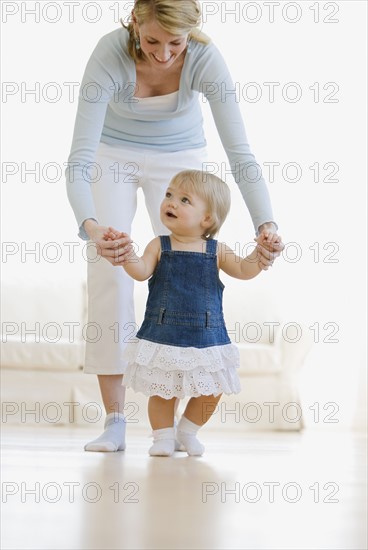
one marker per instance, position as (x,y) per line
(183,348)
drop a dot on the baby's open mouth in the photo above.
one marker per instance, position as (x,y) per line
(170,215)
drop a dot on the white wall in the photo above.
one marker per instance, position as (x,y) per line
(320,281)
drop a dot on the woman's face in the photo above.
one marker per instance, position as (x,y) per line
(161,48)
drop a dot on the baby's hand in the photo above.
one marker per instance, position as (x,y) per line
(122,247)
(268,238)
(109,236)
(269,247)
(113,235)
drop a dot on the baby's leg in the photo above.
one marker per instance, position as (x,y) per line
(198,411)
(161,415)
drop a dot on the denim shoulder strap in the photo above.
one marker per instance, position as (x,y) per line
(211,247)
(165,243)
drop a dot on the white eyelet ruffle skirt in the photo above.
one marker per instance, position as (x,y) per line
(170,371)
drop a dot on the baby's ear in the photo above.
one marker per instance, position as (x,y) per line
(207,220)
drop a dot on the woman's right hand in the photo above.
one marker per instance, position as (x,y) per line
(114,250)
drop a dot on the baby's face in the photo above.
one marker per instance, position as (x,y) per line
(183,212)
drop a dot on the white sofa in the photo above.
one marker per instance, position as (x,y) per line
(43,351)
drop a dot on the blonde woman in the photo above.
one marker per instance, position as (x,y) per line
(138,123)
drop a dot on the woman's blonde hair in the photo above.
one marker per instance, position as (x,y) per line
(175,17)
(212,190)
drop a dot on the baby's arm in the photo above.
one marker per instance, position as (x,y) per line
(141,268)
(240,268)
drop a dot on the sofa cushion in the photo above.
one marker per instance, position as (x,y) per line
(258,359)
(60,355)
(43,323)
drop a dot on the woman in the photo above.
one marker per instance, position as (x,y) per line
(139,122)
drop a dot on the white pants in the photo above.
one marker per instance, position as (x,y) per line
(110,289)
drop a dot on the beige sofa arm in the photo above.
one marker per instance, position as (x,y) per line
(294,350)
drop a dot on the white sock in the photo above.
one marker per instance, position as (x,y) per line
(113,438)
(186,435)
(178,446)
(163,442)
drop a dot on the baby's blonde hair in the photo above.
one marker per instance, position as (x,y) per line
(175,17)
(212,190)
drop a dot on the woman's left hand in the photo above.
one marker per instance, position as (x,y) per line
(269,246)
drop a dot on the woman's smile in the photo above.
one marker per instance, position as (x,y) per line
(162,61)
(160,47)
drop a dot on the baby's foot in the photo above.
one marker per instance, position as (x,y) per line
(186,435)
(191,444)
(178,446)
(163,442)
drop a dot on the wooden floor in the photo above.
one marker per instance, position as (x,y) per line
(258,491)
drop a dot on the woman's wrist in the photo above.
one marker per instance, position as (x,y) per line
(88,225)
